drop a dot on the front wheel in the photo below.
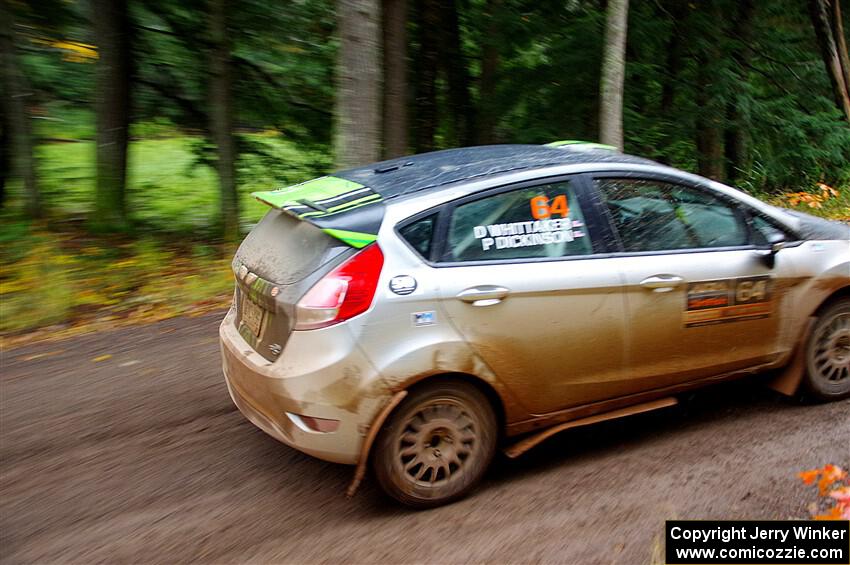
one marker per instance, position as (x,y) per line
(828,353)
(437,445)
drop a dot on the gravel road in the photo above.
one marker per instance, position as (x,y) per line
(125,447)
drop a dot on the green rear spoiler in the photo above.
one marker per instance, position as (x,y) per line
(332,204)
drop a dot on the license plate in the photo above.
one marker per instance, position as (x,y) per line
(252,316)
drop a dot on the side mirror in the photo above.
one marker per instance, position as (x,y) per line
(775,243)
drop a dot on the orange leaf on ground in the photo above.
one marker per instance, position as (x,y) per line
(831,474)
(841,494)
(809,477)
(832,514)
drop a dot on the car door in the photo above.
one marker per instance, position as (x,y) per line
(524,280)
(701,299)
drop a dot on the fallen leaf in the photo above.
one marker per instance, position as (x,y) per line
(809,477)
(831,474)
(841,494)
(832,514)
(100,358)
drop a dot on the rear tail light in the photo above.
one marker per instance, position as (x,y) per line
(343,293)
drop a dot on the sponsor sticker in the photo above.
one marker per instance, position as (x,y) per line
(403,284)
(420,319)
(728,300)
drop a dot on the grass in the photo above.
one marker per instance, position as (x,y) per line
(56,275)
(65,280)
(168,191)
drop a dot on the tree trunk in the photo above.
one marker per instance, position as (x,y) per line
(613,74)
(822,20)
(709,134)
(427,58)
(359,83)
(736,136)
(4,151)
(673,63)
(841,41)
(112,32)
(17,126)
(487,108)
(395,78)
(457,74)
(221,118)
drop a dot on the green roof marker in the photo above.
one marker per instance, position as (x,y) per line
(587,144)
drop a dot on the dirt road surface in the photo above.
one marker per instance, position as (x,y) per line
(125,447)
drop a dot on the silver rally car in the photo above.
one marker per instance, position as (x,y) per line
(418,314)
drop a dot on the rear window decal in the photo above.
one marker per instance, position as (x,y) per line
(525,234)
(542,207)
(728,300)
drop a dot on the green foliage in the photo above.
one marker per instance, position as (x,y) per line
(689,63)
(51,278)
(170,190)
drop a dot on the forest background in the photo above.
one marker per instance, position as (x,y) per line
(132,132)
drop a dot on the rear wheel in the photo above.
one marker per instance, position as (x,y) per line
(437,445)
(828,353)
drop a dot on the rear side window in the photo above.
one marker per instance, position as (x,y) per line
(419,235)
(544,221)
(652,215)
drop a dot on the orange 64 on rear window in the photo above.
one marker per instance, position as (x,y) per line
(542,208)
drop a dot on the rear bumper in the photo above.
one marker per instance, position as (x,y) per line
(320,373)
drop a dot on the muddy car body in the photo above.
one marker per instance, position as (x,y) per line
(421,312)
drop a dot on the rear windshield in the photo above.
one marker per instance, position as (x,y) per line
(284,249)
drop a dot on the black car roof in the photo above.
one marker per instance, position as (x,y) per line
(406,175)
(350,204)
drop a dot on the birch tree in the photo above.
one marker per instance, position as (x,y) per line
(613,74)
(358,113)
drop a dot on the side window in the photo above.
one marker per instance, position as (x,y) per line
(541,221)
(763,230)
(419,235)
(654,216)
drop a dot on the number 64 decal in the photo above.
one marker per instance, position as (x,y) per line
(541,208)
(751,290)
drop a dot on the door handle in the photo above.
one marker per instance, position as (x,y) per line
(485,295)
(662,283)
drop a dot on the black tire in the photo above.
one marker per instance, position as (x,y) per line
(828,354)
(437,445)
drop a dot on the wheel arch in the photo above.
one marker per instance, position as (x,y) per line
(843,292)
(482,385)
(400,393)
(790,378)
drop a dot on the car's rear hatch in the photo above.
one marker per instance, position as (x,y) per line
(311,228)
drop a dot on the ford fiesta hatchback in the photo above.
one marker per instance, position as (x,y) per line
(418,314)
